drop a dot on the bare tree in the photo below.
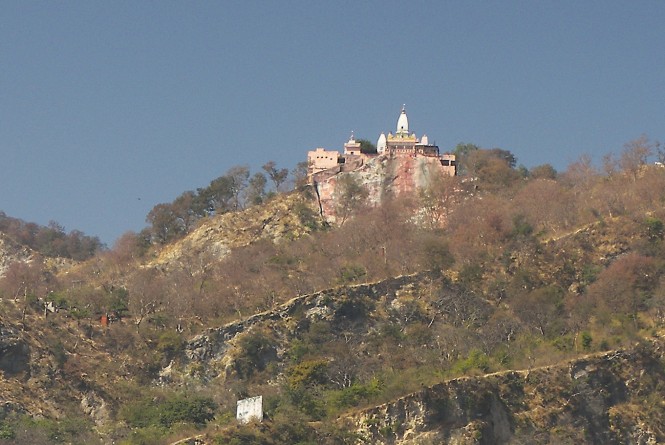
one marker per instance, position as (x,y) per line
(438,199)
(147,292)
(634,155)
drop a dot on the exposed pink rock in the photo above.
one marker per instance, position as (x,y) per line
(383,176)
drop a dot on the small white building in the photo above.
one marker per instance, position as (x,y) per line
(250,409)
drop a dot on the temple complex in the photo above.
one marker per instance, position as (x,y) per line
(401,143)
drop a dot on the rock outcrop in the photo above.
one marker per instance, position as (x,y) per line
(14,351)
(214,346)
(286,216)
(382,176)
(11,252)
(596,399)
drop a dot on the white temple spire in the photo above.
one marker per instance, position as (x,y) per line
(403,123)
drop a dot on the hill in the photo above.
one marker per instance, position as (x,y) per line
(466,310)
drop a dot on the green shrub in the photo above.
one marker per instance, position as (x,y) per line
(42,430)
(174,409)
(169,344)
(436,254)
(307,216)
(140,414)
(256,350)
(196,410)
(58,299)
(655,229)
(471,274)
(563,343)
(6,431)
(477,359)
(118,301)
(298,350)
(308,373)
(586,340)
(59,354)
(308,401)
(351,274)
(391,331)
(356,393)
(521,227)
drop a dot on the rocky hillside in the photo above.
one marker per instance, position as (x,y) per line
(53,366)
(381,177)
(285,217)
(534,315)
(611,398)
(10,252)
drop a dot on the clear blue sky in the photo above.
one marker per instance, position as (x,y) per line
(108,108)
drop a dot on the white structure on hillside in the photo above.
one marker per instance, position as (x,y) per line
(250,409)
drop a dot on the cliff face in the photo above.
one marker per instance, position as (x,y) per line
(382,177)
(611,398)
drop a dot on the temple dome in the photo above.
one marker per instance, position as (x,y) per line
(381,144)
(403,123)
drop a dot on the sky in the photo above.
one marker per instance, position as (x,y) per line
(109,108)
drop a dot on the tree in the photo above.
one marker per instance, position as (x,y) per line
(80,247)
(256,190)
(555,212)
(438,198)
(238,176)
(216,198)
(184,208)
(223,194)
(462,151)
(351,197)
(506,155)
(436,253)
(494,168)
(22,280)
(147,291)
(165,223)
(545,171)
(51,240)
(625,287)
(366,147)
(580,175)
(634,155)
(540,309)
(299,173)
(128,247)
(277,176)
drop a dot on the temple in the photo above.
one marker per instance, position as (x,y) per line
(405,143)
(401,143)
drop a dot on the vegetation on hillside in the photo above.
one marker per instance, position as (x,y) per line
(515,267)
(52,240)
(230,192)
